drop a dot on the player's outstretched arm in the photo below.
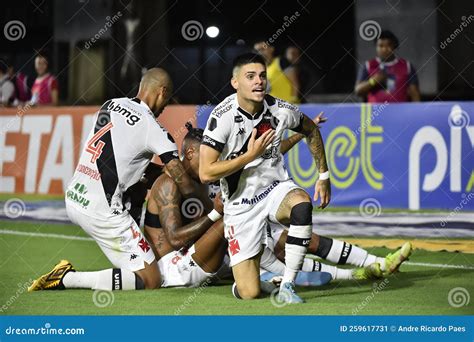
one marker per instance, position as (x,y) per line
(316,147)
(291,141)
(167,197)
(212,169)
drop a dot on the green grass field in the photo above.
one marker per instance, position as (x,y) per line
(415,290)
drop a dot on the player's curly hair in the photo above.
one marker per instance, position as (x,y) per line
(193,136)
(193,133)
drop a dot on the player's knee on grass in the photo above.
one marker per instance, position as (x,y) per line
(246,291)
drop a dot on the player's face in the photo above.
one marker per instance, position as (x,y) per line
(41,65)
(384,49)
(162,100)
(251,82)
(191,158)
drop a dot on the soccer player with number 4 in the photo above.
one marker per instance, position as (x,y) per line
(241,147)
(124,137)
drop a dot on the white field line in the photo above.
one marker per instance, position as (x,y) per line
(426,264)
(81,238)
(55,236)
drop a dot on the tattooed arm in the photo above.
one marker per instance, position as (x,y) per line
(167,196)
(291,141)
(188,188)
(316,147)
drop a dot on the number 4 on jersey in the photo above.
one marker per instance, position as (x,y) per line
(96,150)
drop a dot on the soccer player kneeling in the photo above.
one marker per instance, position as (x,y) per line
(241,147)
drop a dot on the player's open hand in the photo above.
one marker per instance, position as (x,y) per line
(257,147)
(323,190)
(218,204)
(319,119)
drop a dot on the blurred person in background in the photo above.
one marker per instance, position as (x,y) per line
(45,88)
(7,89)
(20,81)
(307,76)
(282,77)
(387,77)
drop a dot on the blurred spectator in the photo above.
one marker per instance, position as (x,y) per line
(45,88)
(307,77)
(387,77)
(282,78)
(7,89)
(20,81)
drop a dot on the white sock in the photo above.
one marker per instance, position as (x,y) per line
(295,250)
(110,279)
(270,263)
(342,253)
(311,265)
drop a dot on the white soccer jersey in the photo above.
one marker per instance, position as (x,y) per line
(124,137)
(228,131)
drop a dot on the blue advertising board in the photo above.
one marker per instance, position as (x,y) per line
(413,156)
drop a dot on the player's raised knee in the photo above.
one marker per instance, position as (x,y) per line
(245,291)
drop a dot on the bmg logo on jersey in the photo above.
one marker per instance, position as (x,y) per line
(132,119)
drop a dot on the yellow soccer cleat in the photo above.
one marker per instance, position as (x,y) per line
(372,271)
(52,280)
(394,260)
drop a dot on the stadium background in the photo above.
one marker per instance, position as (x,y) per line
(386,160)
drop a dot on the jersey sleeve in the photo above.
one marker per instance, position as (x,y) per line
(217,131)
(292,114)
(161,143)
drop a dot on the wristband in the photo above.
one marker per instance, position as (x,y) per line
(214,215)
(324,175)
(372,82)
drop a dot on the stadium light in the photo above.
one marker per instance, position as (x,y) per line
(212,31)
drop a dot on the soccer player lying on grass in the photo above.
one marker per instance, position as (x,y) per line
(124,138)
(242,148)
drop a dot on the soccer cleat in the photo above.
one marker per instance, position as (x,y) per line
(394,260)
(288,295)
(372,271)
(52,280)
